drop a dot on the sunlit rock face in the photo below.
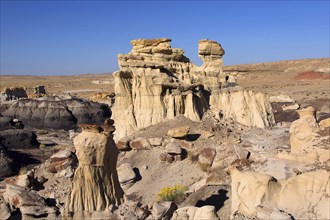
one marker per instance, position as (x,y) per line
(157,82)
(95,185)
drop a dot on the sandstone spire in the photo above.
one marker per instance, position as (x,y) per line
(95,184)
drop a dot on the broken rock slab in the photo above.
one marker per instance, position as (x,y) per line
(179,132)
(140,143)
(28,202)
(60,161)
(126,175)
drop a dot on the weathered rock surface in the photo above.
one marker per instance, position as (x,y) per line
(306,143)
(126,175)
(179,132)
(255,194)
(140,144)
(60,161)
(95,184)
(6,162)
(206,156)
(156,83)
(18,138)
(57,112)
(244,106)
(163,210)
(28,202)
(195,213)
(173,148)
(15,93)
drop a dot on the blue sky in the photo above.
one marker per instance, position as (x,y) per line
(74,37)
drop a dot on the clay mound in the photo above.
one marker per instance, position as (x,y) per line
(56,112)
(309,75)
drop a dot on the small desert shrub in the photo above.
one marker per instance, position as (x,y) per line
(175,193)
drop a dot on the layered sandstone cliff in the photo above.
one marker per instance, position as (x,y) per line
(157,82)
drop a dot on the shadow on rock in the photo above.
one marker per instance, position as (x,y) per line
(217,200)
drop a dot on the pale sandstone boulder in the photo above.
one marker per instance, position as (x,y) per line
(4,210)
(157,141)
(206,156)
(179,132)
(95,184)
(303,196)
(126,175)
(60,161)
(163,210)
(325,123)
(195,213)
(28,202)
(173,148)
(140,143)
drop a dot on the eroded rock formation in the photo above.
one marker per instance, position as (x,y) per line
(56,112)
(14,93)
(95,184)
(307,145)
(256,195)
(156,82)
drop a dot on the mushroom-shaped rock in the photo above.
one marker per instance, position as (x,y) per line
(95,184)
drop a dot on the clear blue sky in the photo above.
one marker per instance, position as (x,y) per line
(73,37)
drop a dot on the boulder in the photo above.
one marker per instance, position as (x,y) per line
(140,143)
(163,210)
(4,210)
(28,202)
(126,175)
(173,148)
(18,138)
(195,213)
(123,144)
(61,161)
(325,123)
(179,132)
(156,141)
(206,156)
(95,184)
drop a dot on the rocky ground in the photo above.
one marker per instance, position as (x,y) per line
(201,157)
